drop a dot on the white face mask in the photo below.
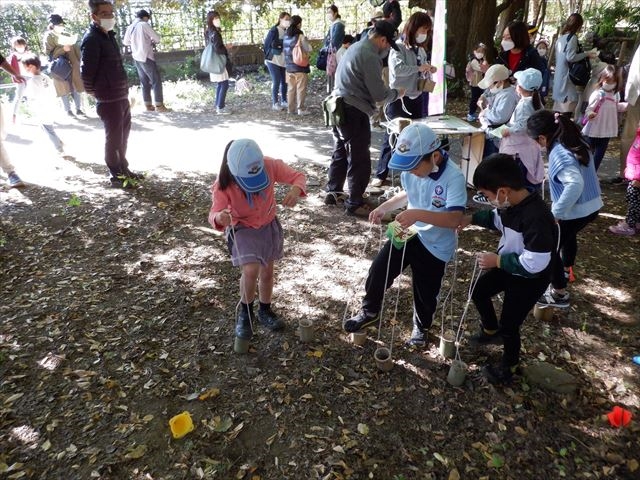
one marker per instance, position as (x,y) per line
(58,28)
(20,49)
(217,22)
(495,89)
(507,45)
(420,38)
(108,23)
(608,87)
(286,23)
(479,56)
(435,168)
(500,205)
(542,52)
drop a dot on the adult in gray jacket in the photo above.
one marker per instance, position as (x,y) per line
(565,94)
(359,83)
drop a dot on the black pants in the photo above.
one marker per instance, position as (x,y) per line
(476,92)
(394,110)
(566,255)
(520,295)
(427,272)
(116,117)
(351,158)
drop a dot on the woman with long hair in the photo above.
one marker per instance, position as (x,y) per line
(575,192)
(213,35)
(297,75)
(407,66)
(275,61)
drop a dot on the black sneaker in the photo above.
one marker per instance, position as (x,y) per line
(498,374)
(360,322)
(243,325)
(481,199)
(362,211)
(335,198)
(80,113)
(70,113)
(418,337)
(270,320)
(483,338)
(550,298)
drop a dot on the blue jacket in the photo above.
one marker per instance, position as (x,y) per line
(272,43)
(288,44)
(335,35)
(101,69)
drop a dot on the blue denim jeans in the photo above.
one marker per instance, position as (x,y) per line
(599,148)
(150,79)
(76,99)
(278,82)
(221,93)
(53,136)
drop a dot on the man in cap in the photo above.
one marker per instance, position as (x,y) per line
(141,37)
(359,83)
(435,196)
(104,78)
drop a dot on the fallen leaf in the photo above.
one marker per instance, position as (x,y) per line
(363,429)
(520,430)
(440,458)
(454,474)
(46,445)
(136,452)
(632,465)
(210,393)
(489,417)
(222,424)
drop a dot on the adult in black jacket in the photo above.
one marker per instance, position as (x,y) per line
(104,77)
(517,53)
(297,75)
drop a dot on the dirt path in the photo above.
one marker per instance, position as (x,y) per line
(117,312)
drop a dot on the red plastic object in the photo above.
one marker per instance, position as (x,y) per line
(619,417)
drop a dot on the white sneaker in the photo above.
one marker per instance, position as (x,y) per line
(377,182)
(222,111)
(284,105)
(276,107)
(304,113)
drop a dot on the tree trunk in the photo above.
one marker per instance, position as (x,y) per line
(513,11)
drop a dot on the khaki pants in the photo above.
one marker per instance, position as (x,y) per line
(297,90)
(631,125)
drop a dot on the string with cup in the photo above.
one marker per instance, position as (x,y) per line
(475,276)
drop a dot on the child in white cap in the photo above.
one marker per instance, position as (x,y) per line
(435,196)
(244,204)
(503,101)
(515,140)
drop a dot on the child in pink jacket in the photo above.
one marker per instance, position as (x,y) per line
(631,225)
(244,204)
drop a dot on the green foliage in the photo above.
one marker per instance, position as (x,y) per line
(607,17)
(74,201)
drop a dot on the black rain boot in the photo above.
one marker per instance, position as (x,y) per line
(243,322)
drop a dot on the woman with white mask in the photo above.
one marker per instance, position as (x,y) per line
(275,61)
(58,42)
(407,66)
(517,53)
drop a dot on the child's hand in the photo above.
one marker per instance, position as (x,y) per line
(464,223)
(506,133)
(487,261)
(375,216)
(223,218)
(407,218)
(292,197)
(592,115)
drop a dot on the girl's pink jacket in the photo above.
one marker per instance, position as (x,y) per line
(632,170)
(263,210)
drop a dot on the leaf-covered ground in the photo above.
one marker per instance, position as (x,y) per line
(117,313)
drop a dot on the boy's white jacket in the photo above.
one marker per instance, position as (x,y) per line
(41,97)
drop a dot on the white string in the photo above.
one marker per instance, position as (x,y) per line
(359,285)
(475,276)
(232,237)
(450,294)
(384,292)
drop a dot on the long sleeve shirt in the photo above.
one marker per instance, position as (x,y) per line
(141,37)
(262,209)
(566,51)
(359,78)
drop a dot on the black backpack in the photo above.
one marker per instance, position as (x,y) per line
(580,71)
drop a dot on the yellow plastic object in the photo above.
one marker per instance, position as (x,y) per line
(181,424)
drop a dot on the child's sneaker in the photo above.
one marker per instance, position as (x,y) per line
(270,320)
(483,338)
(499,374)
(551,298)
(361,321)
(481,199)
(622,228)
(15,181)
(472,118)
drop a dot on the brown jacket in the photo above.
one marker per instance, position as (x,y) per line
(53,50)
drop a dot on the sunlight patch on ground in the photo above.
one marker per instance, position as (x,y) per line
(596,290)
(26,435)
(611,215)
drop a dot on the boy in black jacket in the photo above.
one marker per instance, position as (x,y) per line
(521,268)
(104,77)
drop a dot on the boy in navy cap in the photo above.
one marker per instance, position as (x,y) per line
(435,196)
